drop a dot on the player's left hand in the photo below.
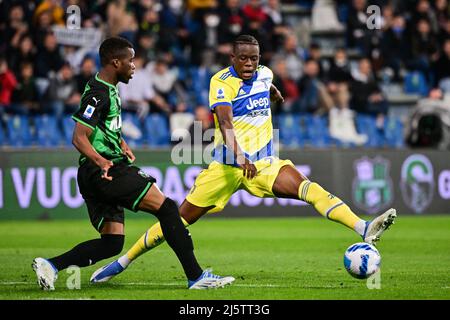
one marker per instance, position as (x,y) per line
(127,151)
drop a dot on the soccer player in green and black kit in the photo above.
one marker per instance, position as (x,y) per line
(109,183)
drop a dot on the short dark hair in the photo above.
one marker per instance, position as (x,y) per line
(245,39)
(113,48)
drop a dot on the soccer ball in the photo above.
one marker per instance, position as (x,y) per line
(362,260)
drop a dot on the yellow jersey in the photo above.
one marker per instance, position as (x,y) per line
(252,118)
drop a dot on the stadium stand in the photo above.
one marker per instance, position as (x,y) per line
(191,42)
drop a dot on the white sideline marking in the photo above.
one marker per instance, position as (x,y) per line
(171,284)
(232,285)
(10,283)
(182,284)
(65,299)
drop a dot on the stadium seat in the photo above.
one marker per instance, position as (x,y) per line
(366,124)
(291,133)
(157,131)
(3,138)
(68,124)
(199,85)
(393,132)
(47,132)
(19,131)
(132,130)
(415,83)
(317,129)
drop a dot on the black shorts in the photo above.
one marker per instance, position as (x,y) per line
(106,199)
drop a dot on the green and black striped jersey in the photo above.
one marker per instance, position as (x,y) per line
(100,110)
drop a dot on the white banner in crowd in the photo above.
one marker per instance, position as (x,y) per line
(84,37)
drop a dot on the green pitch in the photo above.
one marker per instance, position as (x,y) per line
(270,259)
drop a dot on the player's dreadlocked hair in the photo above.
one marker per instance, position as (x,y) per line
(244,39)
(113,48)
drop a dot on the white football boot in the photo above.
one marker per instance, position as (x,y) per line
(208,280)
(46,273)
(377,226)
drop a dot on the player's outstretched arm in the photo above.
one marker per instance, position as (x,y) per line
(225,119)
(81,141)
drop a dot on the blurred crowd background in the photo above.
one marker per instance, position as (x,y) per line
(350,77)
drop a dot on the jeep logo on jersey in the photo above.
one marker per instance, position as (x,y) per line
(261,102)
(88,112)
(115,124)
(372,185)
(417,182)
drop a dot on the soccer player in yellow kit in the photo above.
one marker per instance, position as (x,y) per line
(243,158)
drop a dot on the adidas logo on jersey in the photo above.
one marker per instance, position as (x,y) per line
(261,102)
(241,92)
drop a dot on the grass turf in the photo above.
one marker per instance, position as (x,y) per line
(283,258)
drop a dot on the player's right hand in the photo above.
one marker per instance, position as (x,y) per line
(104,166)
(248,168)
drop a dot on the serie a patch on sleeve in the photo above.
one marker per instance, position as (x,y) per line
(88,112)
(220,93)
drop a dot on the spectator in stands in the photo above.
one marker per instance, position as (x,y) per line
(204,119)
(232,23)
(396,47)
(444,34)
(147,45)
(366,95)
(442,11)
(26,51)
(174,33)
(49,57)
(168,90)
(8,83)
(137,94)
(87,70)
(150,24)
(62,95)
(287,87)
(423,11)
(315,53)
(203,35)
(16,27)
(54,9)
(424,49)
(292,54)
(442,68)
(314,97)
(121,21)
(41,27)
(387,17)
(255,28)
(256,19)
(338,79)
(253,11)
(275,24)
(358,35)
(26,96)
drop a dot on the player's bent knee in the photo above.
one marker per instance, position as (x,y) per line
(172,226)
(113,243)
(168,207)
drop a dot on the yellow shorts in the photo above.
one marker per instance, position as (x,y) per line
(215,185)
